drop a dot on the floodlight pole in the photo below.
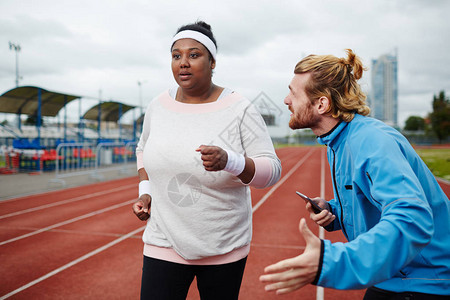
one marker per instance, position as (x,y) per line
(16,48)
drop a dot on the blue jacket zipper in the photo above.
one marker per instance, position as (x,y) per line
(337,194)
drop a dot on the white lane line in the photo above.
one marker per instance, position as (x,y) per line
(21,212)
(69,221)
(320,293)
(72,263)
(279,183)
(77,232)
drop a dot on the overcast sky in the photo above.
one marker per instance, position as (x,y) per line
(84,47)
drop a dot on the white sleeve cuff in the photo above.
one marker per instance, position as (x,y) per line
(235,163)
(144,187)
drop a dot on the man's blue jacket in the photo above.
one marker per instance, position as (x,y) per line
(391,209)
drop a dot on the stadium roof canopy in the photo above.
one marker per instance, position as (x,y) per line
(25,100)
(110,111)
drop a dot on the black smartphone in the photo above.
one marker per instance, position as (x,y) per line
(316,208)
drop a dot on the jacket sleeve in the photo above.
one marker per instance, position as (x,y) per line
(404,228)
(258,146)
(335,225)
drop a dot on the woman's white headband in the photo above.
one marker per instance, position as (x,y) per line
(199,37)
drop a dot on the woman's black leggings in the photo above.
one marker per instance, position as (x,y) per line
(163,280)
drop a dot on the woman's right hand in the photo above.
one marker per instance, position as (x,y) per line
(325,217)
(142,207)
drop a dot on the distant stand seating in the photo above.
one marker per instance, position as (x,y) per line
(23,143)
(33,156)
(30,155)
(122,153)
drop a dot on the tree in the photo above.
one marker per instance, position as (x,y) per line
(415,123)
(440,117)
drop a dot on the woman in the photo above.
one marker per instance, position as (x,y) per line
(201,148)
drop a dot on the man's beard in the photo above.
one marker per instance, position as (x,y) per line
(303,119)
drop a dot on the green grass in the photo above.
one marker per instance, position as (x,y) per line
(437,160)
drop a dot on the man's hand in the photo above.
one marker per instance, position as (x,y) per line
(142,207)
(325,217)
(291,274)
(214,158)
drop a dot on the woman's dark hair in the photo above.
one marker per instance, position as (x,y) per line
(201,27)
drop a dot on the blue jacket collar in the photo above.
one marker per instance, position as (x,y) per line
(332,136)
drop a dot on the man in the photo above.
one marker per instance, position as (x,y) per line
(386,201)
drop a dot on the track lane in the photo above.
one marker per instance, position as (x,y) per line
(276,234)
(284,248)
(69,221)
(21,211)
(72,263)
(115,272)
(60,214)
(27,259)
(27,202)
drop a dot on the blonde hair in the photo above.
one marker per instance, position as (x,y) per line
(336,78)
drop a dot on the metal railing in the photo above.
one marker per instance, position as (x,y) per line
(74,159)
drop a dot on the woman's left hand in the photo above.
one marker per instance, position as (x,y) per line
(141,208)
(214,158)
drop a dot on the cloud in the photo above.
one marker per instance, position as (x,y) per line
(83,46)
(28,29)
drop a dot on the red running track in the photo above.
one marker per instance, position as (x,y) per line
(85,242)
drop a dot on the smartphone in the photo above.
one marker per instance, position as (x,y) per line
(316,208)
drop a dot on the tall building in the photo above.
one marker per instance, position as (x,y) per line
(384,96)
